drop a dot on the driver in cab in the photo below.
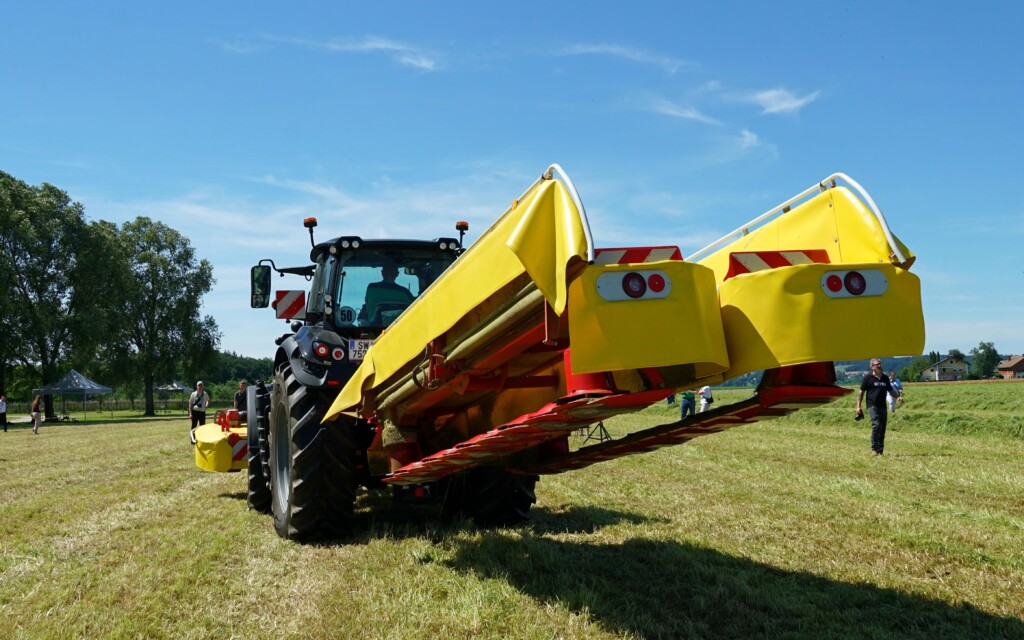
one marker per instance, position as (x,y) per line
(384,296)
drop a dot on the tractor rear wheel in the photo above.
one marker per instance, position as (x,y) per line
(256,406)
(491,496)
(312,466)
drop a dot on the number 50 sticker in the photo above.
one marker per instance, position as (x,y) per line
(346,315)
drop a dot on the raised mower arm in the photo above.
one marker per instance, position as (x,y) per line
(533,333)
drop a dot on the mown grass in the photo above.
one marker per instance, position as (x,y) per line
(787,529)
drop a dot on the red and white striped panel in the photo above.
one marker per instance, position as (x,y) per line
(239,446)
(636,255)
(290,304)
(749,261)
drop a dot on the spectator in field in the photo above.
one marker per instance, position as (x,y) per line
(3,411)
(687,404)
(705,398)
(898,386)
(36,411)
(876,386)
(197,404)
(240,396)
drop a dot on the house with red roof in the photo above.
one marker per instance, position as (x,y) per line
(1012,368)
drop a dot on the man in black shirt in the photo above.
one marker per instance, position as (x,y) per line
(240,399)
(876,385)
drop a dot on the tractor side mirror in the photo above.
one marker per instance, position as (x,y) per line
(259,291)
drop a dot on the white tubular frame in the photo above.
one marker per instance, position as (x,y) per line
(785,207)
(556,172)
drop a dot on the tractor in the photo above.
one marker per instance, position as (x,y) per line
(458,374)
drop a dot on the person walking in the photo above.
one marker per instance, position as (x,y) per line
(197,404)
(875,386)
(687,404)
(36,411)
(705,398)
(897,385)
(3,411)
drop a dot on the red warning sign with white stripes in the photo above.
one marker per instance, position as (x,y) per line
(239,446)
(290,304)
(742,262)
(636,255)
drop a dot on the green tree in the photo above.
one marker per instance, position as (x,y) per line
(958,354)
(10,336)
(159,313)
(912,372)
(233,367)
(47,251)
(985,360)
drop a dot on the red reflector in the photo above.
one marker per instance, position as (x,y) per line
(656,283)
(834,283)
(334,383)
(855,283)
(634,285)
(338,354)
(321,350)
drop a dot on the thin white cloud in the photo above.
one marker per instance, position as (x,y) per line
(401,52)
(668,108)
(780,101)
(243,46)
(669,64)
(748,139)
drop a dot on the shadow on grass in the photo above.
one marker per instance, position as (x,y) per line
(665,589)
(378,516)
(658,589)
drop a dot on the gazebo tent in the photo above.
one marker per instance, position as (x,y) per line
(73,384)
(175,387)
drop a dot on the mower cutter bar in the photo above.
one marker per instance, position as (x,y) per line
(555,419)
(768,403)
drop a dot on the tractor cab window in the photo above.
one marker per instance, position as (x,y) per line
(374,286)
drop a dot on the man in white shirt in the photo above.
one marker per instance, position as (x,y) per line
(197,404)
(705,398)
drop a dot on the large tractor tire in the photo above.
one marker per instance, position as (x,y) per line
(491,496)
(312,466)
(257,408)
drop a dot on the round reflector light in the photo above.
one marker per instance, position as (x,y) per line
(321,350)
(338,354)
(834,283)
(634,285)
(656,282)
(855,283)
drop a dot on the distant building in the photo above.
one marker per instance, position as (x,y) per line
(1012,368)
(946,370)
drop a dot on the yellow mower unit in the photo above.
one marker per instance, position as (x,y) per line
(222,445)
(461,373)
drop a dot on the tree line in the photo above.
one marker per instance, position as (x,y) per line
(120,304)
(983,361)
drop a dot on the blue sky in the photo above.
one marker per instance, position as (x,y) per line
(678,122)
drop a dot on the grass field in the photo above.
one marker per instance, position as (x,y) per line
(782,529)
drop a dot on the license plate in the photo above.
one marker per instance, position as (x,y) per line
(357,348)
